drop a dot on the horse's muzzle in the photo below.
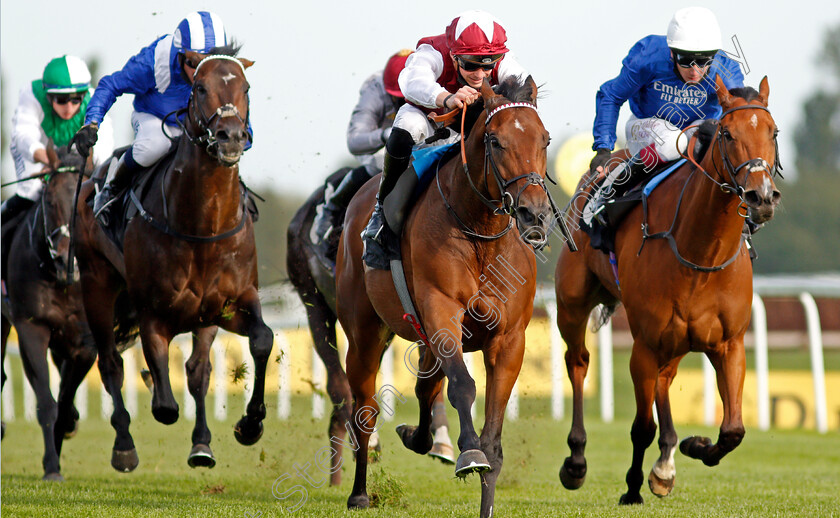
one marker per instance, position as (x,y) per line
(230,144)
(762,202)
(533,225)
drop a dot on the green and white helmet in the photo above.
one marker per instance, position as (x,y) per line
(66,75)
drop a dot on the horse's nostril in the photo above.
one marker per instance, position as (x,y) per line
(777,197)
(751,197)
(222,136)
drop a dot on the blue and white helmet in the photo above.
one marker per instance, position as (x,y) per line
(200,31)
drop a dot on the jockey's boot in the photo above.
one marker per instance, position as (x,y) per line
(119,177)
(397,158)
(620,180)
(14,206)
(331,214)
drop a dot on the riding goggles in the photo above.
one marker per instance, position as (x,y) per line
(473,63)
(692,59)
(66,98)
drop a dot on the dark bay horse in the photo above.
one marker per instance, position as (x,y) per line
(45,310)
(189,263)
(691,292)
(472,283)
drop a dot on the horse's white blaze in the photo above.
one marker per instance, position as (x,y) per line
(228,77)
(754,121)
(666,470)
(518,126)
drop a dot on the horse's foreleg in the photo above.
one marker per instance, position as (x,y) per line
(573,330)
(644,371)
(427,389)
(502,366)
(156,338)
(33,340)
(730,368)
(198,380)
(247,320)
(661,477)
(73,372)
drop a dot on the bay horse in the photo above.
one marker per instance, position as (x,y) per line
(45,310)
(314,283)
(454,247)
(687,289)
(189,263)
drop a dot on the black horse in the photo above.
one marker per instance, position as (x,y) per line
(45,310)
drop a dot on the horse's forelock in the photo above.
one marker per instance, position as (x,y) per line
(746,93)
(514,90)
(231,49)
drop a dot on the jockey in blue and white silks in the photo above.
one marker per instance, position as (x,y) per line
(669,82)
(160,78)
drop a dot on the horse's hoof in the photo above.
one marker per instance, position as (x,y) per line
(248,432)
(53,477)
(572,478)
(695,446)
(471,461)
(125,461)
(660,487)
(201,457)
(72,433)
(443,452)
(627,499)
(407,434)
(358,502)
(165,415)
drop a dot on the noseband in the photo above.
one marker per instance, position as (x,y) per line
(206,134)
(509,203)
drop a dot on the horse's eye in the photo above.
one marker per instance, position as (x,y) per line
(200,89)
(725,134)
(495,142)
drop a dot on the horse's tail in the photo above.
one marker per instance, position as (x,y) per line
(601,315)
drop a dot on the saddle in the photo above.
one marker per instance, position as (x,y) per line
(397,206)
(124,208)
(603,238)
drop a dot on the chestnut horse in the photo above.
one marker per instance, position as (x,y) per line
(457,255)
(45,310)
(189,262)
(689,291)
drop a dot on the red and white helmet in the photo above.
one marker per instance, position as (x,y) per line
(476,33)
(392,72)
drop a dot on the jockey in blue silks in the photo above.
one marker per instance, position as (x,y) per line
(160,77)
(670,83)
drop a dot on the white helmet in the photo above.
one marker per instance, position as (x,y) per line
(694,29)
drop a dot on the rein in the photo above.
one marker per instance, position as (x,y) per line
(508,203)
(755,164)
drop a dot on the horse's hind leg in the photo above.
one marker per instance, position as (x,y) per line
(644,371)
(33,341)
(419,438)
(247,320)
(322,323)
(730,367)
(442,446)
(363,357)
(198,380)
(661,477)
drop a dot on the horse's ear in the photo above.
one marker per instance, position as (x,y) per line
(763,91)
(488,95)
(52,156)
(723,93)
(533,86)
(193,57)
(245,62)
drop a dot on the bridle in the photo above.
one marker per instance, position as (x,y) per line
(62,230)
(508,203)
(206,135)
(754,165)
